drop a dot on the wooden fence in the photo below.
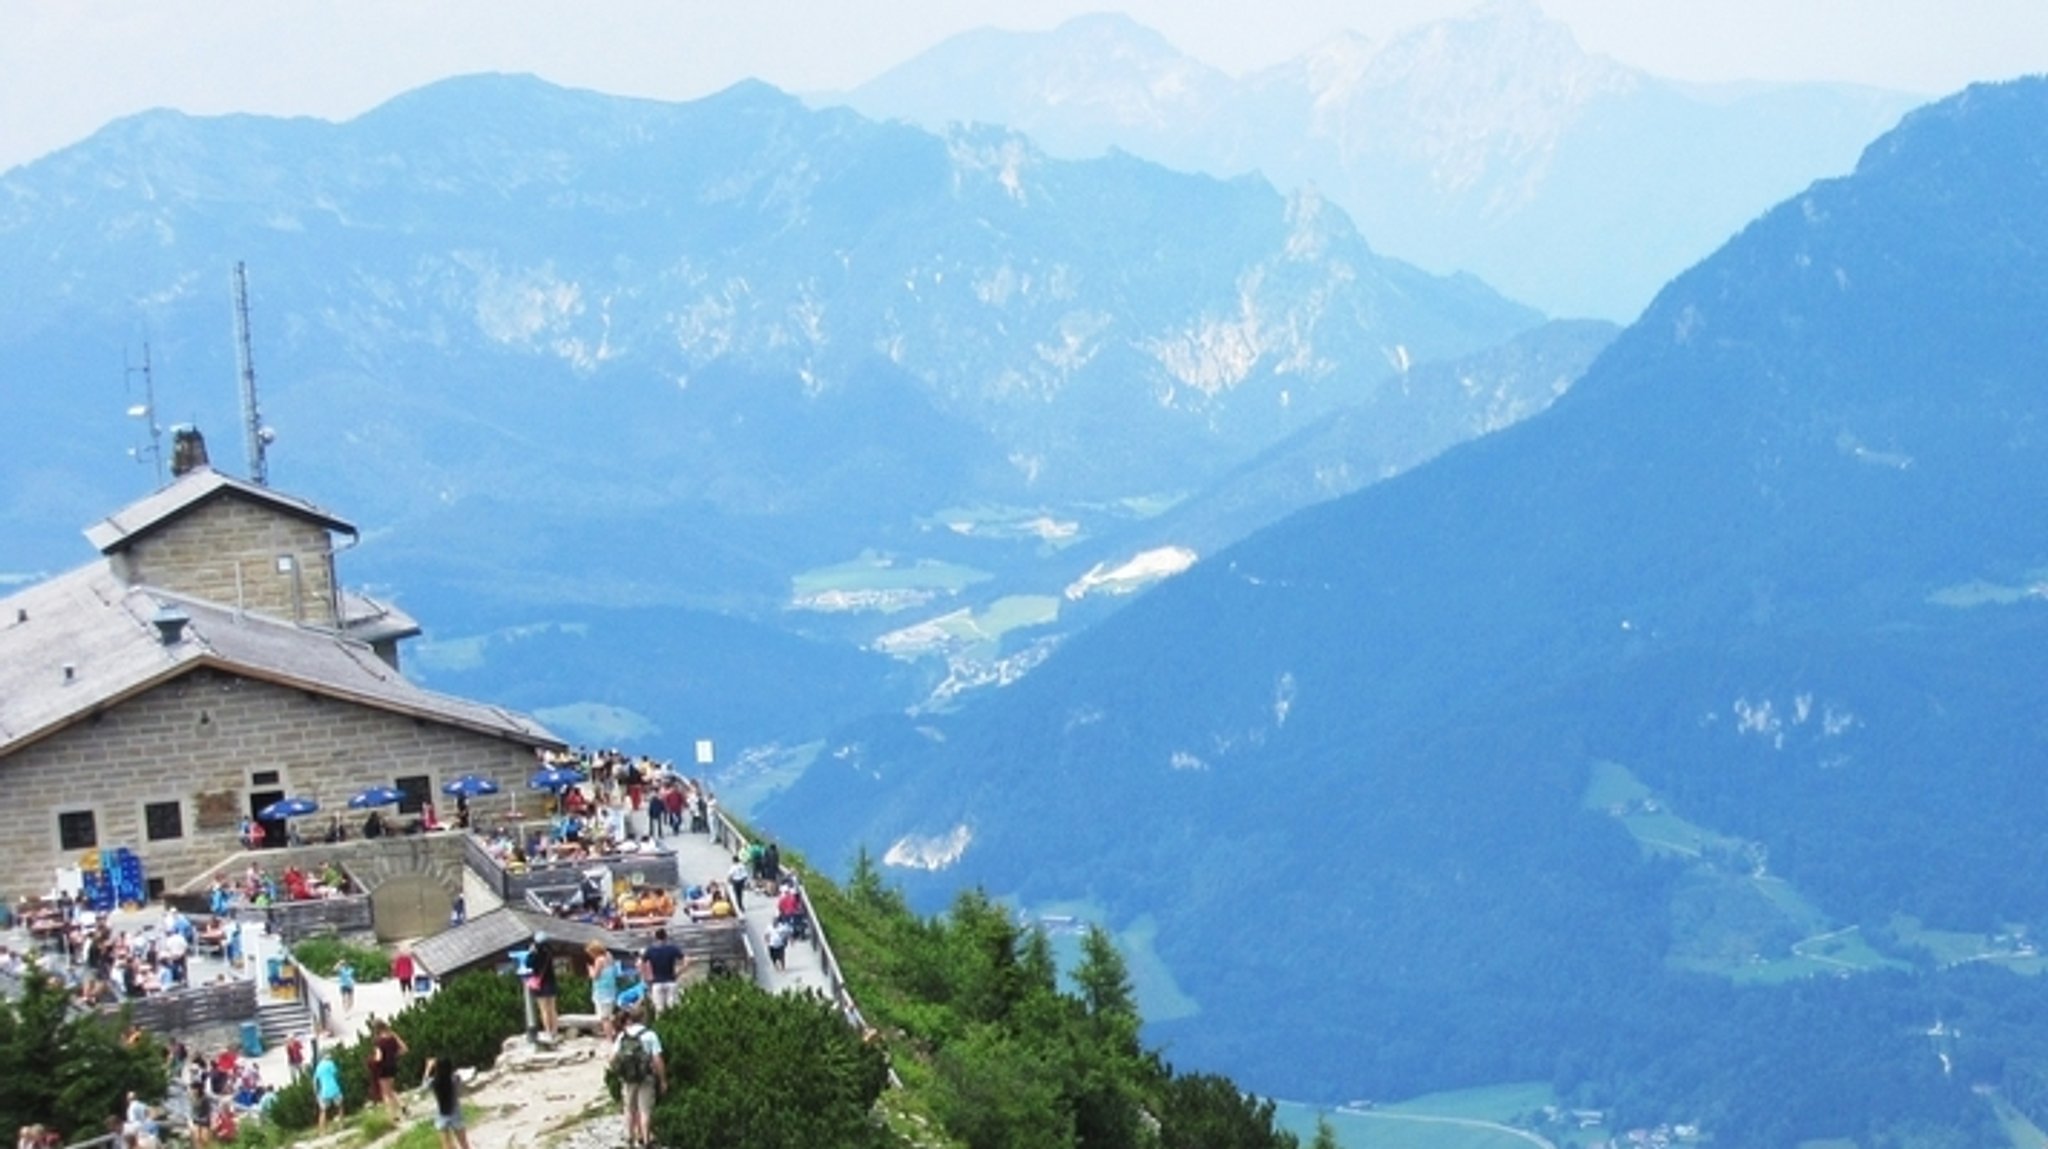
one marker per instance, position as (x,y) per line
(225,1003)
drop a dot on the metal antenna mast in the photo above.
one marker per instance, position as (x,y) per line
(256,437)
(146,411)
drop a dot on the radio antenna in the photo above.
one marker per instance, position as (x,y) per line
(146,411)
(256,438)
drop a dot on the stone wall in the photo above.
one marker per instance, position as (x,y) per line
(209,745)
(369,862)
(236,552)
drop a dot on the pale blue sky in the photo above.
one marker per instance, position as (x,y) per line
(69,66)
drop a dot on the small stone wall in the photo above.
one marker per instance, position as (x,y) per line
(368,862)
(345,915)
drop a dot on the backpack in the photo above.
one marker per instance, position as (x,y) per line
(633,1063)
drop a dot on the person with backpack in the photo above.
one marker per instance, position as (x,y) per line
(642,1074)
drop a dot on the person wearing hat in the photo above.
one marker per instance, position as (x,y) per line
(540,979)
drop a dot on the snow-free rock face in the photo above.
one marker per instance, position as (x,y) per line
(767,288)
(1488,142)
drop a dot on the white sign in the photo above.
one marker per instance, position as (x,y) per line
(703,751)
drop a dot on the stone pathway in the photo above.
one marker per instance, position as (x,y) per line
(700,859)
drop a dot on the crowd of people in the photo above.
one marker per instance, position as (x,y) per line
(101,965)
(210,1095)
(622,805)
(376,824)
(258,887)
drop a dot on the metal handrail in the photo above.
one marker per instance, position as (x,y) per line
(725,829)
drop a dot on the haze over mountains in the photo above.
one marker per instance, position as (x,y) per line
(1489,143)
(1674,747)
(561,350)
(1678,746)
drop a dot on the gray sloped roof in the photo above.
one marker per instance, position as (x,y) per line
(371,619)
(580,934)
(487,936)
(480,939)
(188,490)
(88,620)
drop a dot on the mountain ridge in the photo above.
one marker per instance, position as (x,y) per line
(1734,560)
(569,353)
(1487,141)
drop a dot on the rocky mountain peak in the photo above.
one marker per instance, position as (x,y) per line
(1477,96)
(1488,142)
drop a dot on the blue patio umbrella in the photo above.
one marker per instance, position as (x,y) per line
(555,778)
(288,808)
(470,786)
(376,796)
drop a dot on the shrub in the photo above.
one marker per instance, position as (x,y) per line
(68,1070)
(323,953)
(467,1020)
(730,1045)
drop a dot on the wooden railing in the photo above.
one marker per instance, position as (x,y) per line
(727,833)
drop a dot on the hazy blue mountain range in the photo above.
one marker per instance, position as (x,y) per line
(1489,142)
(557,349)
(1679,746)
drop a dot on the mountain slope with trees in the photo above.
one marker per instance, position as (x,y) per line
(1774,556)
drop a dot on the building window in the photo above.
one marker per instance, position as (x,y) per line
(162,821)
(77,830)
(263,778)
(418,790)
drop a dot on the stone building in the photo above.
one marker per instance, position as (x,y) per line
(205,665)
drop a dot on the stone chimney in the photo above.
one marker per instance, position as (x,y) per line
(188,450)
